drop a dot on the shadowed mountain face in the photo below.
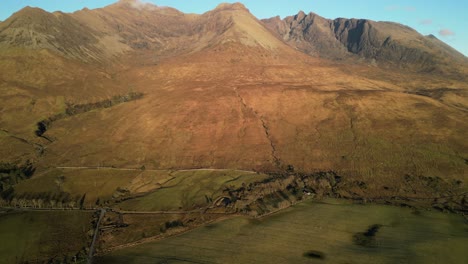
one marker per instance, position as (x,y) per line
(386,43)
(224,90)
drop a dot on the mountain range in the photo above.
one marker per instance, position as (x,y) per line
(136,85)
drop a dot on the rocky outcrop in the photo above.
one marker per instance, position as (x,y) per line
(309,33)
(384,43)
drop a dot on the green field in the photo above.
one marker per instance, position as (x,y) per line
(144,226)
(156,190)
(94,184)
(190,189)
(312,232)
(37,237)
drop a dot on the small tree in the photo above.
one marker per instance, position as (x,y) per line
(82,200)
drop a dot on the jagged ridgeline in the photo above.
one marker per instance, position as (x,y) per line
(383,43)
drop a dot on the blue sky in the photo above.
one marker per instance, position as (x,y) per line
(446,19)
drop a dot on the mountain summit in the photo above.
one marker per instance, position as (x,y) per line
(234,6)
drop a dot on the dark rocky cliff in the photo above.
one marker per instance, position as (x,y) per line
(384,43)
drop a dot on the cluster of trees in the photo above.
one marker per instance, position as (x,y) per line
(45,200)
(171,224)
(281,189)
(10,175)
(74,109)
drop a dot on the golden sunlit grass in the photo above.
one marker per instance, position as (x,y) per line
(94,184)
(191,190)
(164,190)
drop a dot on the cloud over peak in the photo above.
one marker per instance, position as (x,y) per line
(138,4)
(446,32)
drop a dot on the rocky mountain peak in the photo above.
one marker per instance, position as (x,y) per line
(234,6)
(386,43)
(28,13)
(300,15)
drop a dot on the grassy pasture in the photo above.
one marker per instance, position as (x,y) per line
(190,189)
(41,236)
(163,190)
(143,226)
(315,233)
(97,184)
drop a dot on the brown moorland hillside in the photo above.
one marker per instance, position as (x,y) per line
(222,90)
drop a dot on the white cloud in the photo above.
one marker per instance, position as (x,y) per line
(425,22)
(139,4)
(446,32)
